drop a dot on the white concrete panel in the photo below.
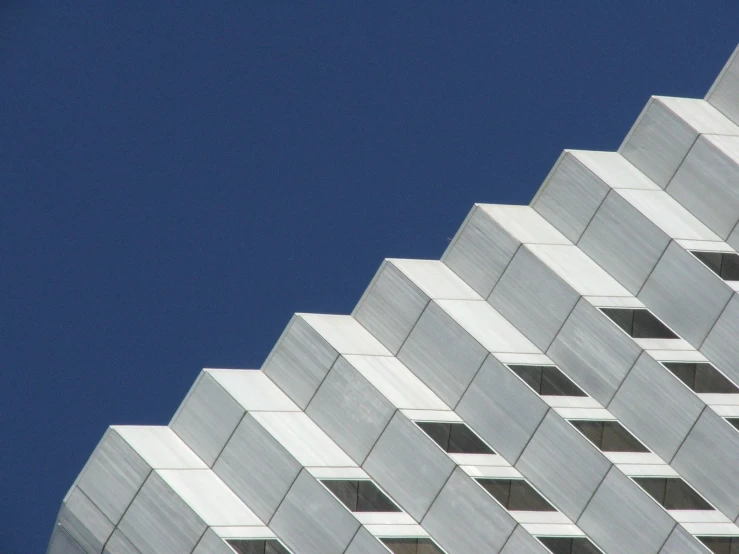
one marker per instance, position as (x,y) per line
(686,295)
(502,409)
(311,521)
(707,460)
(350,473)
(435,279)
(553,530)
(533,298)
(299,361)
(480,251)
(593,352)
(390,306)
(707,245)
(465,519)
(711,528)
(667,214)
(585,413)
(724,90)
(84,522)
(614,301)
(528,358)
(300,436)
(563,404)
(502,471)
(552,518)
(160,521)
(721,346)
(579,271)
(624,459)
(656,406)
(614,170)
(209,497)
(658,142)
(643,527)
(207,418)
(397,530)
(431,415)
(477,459)
(443,354)
(700,115)
(113,475)
(345,334)
(350,410)
(409,466)
(160,447)
(251,532)
(570,196)
(706,183)
(253,390)
(659,469)
(623,242)
(677,355)
(563,465)
(397,383)
(256,467)
(384,518)
(681,542)
(524,224)
(487,326)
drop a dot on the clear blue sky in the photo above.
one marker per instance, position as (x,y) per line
(178,178)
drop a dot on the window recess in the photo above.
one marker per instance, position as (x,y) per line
(547,380)
(639,323)
(360,495)
(454,437)
(516,495)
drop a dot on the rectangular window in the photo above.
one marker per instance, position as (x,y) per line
(721,545)
(672,493)
(701,377)
(257,546)
(411,546)
(360,495)
(639,323)
(723,264)
(516,495)
(609,436)
(454,438)
(547,380)
(569,545)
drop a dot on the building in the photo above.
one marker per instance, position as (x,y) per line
(564,380)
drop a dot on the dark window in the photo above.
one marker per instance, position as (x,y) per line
(412,546)
(672,493)
(723,264)
(547,380)
(516,495)
(639,323)
(609,436)
(258,546)
(454,438)
(360,496)
(734,421)
(701,377)
(569,545)
(721,545)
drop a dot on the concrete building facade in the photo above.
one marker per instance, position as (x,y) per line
(564,381)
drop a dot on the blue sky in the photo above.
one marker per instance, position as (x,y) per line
(178,178)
